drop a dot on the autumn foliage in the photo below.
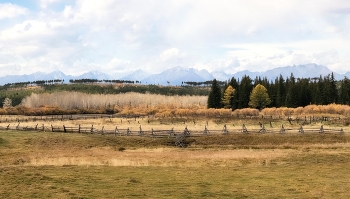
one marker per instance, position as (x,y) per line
(151,104)
(331,109)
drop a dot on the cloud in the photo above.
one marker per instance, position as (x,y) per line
(169,54)
(45,3)
(8,10)
(116,66)
(228,35)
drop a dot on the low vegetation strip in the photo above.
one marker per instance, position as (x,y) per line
(64,165)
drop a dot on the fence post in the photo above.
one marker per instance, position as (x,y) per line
(140,132)
(224,130)
(262,130)
(244,129)
(186,131)
(301,130)
(79,128)
(206,131)
(282,129)
(321,129)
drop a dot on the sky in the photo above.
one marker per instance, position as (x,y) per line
(118,37)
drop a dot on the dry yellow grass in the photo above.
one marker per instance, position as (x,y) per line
(164,157)
(66,165)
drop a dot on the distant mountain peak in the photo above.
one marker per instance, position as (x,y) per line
(177,75)
(137,75)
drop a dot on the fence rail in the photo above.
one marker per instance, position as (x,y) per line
(155,133)
(179,136)
(47,118)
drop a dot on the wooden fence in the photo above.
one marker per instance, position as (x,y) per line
(303,120)
(162,133)
(179,136)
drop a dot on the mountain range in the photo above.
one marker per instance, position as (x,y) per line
(177,75)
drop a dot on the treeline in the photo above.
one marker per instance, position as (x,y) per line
(91,81)
(290,91)
(72,81)
(125,88)
(206,83)
(18,93)
(38,82)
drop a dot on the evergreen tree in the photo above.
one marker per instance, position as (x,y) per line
(344,96)
(259,98)
(281,92)
(321,95)
(314,91)
(304,92)
(291,93)
(333,92)
(234,100)
(244,90)
(214,99)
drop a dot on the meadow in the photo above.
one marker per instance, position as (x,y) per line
(235,165)
(44,164)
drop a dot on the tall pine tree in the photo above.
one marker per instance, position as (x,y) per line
(234,100)
(281,92)
(244,90)
(214,99)
(344,96)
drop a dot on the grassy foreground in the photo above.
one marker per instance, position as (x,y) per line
(58,165)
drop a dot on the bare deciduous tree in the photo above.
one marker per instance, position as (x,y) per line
(76,100)
(7,103)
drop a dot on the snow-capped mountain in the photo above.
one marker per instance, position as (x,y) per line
(204,74)
(94,75)
(34,77)
(220,75)
(138,75)
(178,75)
(299,71)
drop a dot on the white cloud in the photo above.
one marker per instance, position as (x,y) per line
(229,35)
(169,54)
(8,10)
(45,3)
(116,65)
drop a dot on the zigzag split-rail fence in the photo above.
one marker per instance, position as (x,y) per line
(180,136)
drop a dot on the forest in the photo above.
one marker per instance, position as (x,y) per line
(289,92)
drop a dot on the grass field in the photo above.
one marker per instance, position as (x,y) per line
(65,165)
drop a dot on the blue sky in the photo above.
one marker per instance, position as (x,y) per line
(118,37)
